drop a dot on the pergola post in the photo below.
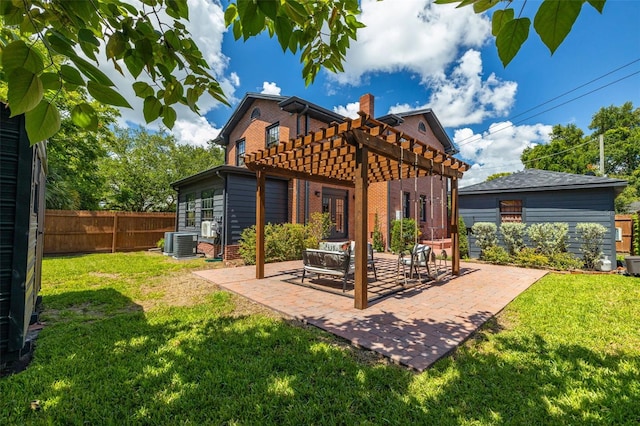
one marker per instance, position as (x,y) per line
(361,220)
(455,232)
(260,206)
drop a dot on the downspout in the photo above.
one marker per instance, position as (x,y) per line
(306,182)
(389,215)
(223,239)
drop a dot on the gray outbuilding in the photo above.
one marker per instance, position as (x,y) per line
(539,196)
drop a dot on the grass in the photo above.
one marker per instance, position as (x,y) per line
(567,351)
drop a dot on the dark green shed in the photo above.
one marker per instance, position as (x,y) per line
(22,205)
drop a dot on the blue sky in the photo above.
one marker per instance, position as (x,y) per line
(414,54)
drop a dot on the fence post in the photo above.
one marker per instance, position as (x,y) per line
(115,232)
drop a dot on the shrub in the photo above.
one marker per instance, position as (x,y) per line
(160,244)
(592,236)
(513,236)
(549,238)
(636,235)
(464,240)
(378,240)
(486,235)
(281,242)
(317,229)
(530,257)
(565,261)
(496,254)
(402,235)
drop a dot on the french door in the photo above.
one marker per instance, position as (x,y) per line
(334,202)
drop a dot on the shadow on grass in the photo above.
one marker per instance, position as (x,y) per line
(111,363)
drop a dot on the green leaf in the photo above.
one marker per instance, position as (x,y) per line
(597,4)
(83,115)
(42,122)
(296,12)
(237,29)
(87,36)
(142,89)
(554,20)
(173,40)
(169,117)
(134,62)
(484,5)
(50,81)
(60,43)
(230,14)
(89,70)
(24,91)
(152,108)
(71,75)
(173,92)
(106,95)
(283,29)
(269,8)
(18,55)
(511,37)
(500,17)
(116,45)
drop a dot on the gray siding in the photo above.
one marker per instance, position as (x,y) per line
(241,204)
(217,185)
(569,206)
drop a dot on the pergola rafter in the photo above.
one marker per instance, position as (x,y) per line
(354,153)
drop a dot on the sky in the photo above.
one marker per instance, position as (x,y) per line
(414,54)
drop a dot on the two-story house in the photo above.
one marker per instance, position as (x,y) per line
(226,194)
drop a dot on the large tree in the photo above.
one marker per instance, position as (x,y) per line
(140,166)
(153,40)
(567,151)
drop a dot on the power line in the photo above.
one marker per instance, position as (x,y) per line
(475,138)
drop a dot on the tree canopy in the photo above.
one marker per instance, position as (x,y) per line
(153,46)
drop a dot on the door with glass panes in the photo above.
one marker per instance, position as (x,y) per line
(334,202)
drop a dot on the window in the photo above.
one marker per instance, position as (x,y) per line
(273,134)
(207,205)
(511,211)
(423,208)
(406,203)
(422,128)
(255,113)
(240,152)
(190,210)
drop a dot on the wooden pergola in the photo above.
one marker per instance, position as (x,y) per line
(354,153)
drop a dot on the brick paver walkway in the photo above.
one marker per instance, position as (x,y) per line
(414,327)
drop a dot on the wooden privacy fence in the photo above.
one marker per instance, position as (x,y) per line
(81,231)
(625,223)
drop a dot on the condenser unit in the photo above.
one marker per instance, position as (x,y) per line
(185,245)
(209,229)
(168,243)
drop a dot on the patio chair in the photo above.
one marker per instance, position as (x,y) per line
(418,258)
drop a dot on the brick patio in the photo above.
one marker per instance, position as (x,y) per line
(414,327)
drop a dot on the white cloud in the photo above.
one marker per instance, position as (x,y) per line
(417,36)
(463,98)
(497,150)
(270,89)
(206,25)
(194,132)
(350,110)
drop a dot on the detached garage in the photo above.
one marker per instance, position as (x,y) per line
(538,196)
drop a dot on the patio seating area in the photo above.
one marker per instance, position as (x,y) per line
(414,325)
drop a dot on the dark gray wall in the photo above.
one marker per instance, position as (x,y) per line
(214,183)
(241,204)
(569,206)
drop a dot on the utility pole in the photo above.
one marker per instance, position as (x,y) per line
(602,154)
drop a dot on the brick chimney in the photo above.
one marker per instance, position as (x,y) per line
(366,104)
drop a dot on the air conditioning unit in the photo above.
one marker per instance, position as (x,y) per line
(168,243)
(209,229)
(185,245)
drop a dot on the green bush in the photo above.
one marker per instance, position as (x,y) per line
(160,244)
(565,261)
(549,238)
(530,257)
(281,242)
(464,240)
(592,237)
(378,239)
(486,235)
(636,235)
(403,234)
(317,229)
(513,236)
(496,254)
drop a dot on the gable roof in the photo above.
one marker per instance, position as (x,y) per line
(530,180)
(432,120)
(291,104)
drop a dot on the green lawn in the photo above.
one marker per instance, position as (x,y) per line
(567,351)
